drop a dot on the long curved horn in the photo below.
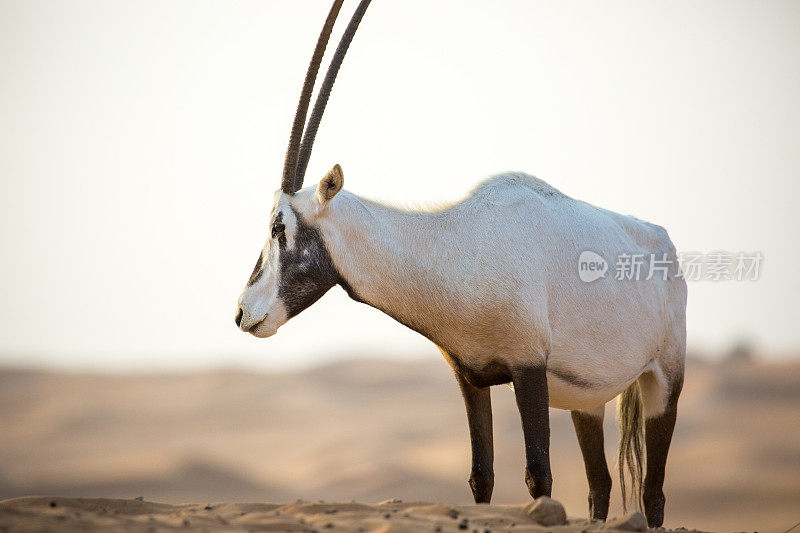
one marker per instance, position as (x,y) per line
(325,92)
(293,151)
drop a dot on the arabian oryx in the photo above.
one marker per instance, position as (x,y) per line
(493,281)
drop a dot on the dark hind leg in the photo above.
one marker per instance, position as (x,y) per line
(479,415)
(589,428)
(530,387)
(661,410)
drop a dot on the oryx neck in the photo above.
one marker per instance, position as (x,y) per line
(386,256)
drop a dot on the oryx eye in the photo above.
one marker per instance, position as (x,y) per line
(277,229)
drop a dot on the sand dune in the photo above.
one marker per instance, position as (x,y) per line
(374,430)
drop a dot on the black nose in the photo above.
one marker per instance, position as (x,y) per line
(239,314)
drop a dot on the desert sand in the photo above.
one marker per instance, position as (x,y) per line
(81,514)
(367,431)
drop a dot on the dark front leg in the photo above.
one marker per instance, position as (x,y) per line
(479,415)
(589,428)
(530,386)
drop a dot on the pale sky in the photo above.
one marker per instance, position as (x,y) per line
(141,143)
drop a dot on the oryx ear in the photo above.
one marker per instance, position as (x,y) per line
(330,185)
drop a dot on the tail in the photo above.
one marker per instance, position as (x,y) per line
(631,433)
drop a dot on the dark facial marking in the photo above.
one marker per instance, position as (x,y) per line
(279,229)
(307,271)
(257,271)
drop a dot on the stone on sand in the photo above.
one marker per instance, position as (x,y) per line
(631,522)
(546,511)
